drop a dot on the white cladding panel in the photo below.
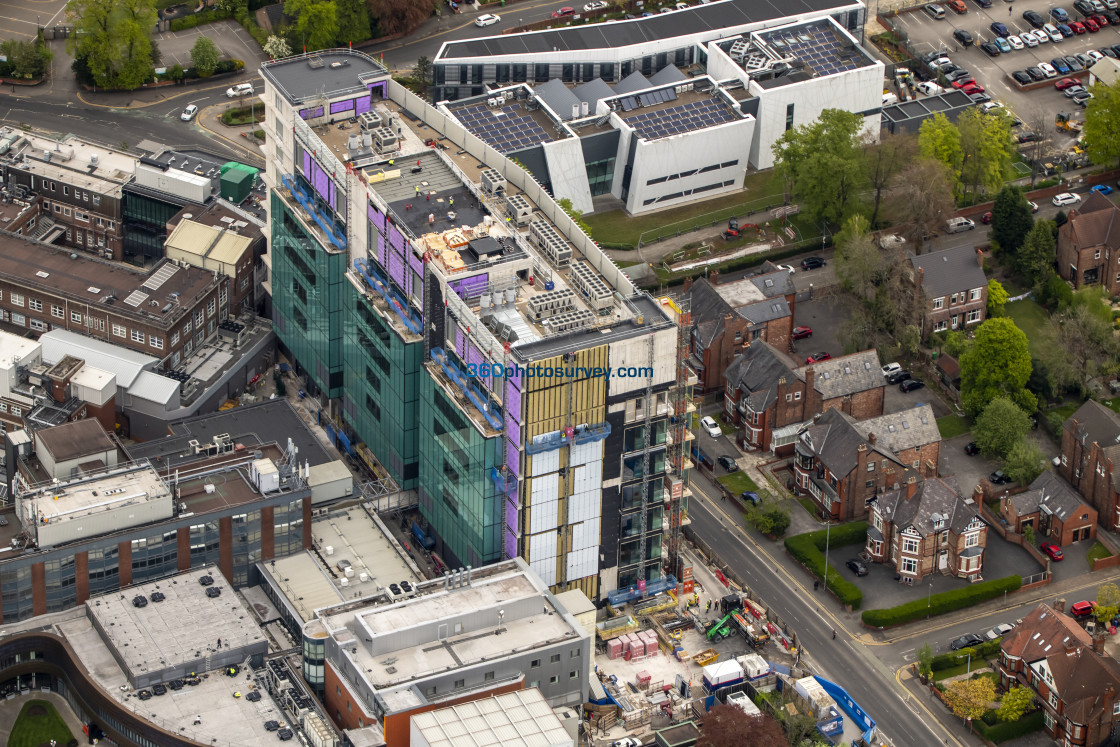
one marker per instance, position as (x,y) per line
(545,462)
(584,453)
(582,563)
(634,354)
(542,556)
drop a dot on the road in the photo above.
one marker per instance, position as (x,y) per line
(846,661)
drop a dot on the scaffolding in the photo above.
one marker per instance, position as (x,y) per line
(678,464)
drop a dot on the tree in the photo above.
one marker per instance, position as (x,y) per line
(800,729)
(316,21)
(1016,702)
(821,163)
(1038,251)
(986,150)
(1108,602)
(277,48)
(422,72)
(939,139)
(401,16)
(1028,534)
(1024,462)
(969,699)
(204,55)
(882,163)
(113,37)
(997,298)
(925,660)
(1040,384)
(353,21)
(1011,219)
(998,362)
(1079,342)
(27,58)
(92,40)
(920,195)
(999,427)
(1102,122)
(858,262)
(731,726)
(1051,291)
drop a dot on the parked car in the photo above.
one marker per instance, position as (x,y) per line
(1104,189)
(966,641)
(989,49)
(857,567)
(1021,77)
(963,37)
(787,268)
(597,5)
(998,29)
(1029,39)
(1051,550)
(957,6)
(984,3)
(802,333)
(188,113)
(891,368)
(1034,19)
(971,448)
(1015,42)
(1004,46)
(1076,27)
(241,89)
(1065,83)
(910,385)
(1066,198)
(1048,70)
(728,463)
(998,478)
(710,425)
(999,631)
(1074,64)
(1084,7)
(1052,33)
(1071,92)
(972,88)
(487,19)
(1033,206)
(929,88)
(936,11)
(812,263)
(750,495)
(897,377)
(1060,15)
(1059,64)
(1035,73)
(958,74)
(1082,609)
(627,742)
(818,357)
(978,97)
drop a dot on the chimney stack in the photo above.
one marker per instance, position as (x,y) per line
(911,486)
(687,285)
(714,277)
(1098,646)
(871,438)
(1060,606)
(980,257)
(810,377)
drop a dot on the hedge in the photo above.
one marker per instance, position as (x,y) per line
(199,19)
(956,658)
(939,604)
(1028,724)
(808,549)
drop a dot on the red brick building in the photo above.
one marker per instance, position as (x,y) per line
(1090,453)
(951,288)
(1087,243)
(726,317)
(770,398)
(844,464)
(927,528)
(1052,509)
(1076,685)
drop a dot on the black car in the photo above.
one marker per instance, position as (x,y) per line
(812,263)
(750,495)
(1021,77)
(728,463)
(1109,52)
(999,29)
(1075,65)
(998,478)
(1112,16)
(910,385)
(896,377)
(966,641)
(857,567)
(963,37)
(1030,136)
(957,74)
(1034,19)
(989,49)
(1036,73)
(979,98)
(971,448)
(984,3)
(1084,7)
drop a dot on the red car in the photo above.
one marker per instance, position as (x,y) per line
(963,82)
(800,333)
(1082,609)
(1091,24)
(565,11)
(986,218)
(1100,20)
(818,357)
(1065,83)
(972,88)
(1077,27)
(1052,550)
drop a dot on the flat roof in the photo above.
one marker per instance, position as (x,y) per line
(178,631)
(208,242)
(327,73)
(522,718)
(823,46)
(699,19)
(663,112)
(120,486)
(72,160)
(230,488)
(14,347)
(89,280)
(254,425)
(72,440)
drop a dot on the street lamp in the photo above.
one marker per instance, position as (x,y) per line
(930,597)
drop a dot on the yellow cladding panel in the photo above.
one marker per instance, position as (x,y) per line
(588,358)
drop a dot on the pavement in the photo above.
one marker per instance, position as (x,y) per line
(9,711)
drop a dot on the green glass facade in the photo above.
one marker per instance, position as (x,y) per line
(308,299)
(382,399)
(457,495)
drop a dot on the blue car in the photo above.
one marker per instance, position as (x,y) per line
(1104,189)
(1060,65)
(999,29)
(1059,15)
(1003,45)
(1065,30)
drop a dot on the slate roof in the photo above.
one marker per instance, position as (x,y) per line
(1049,491)
(765,311)
(950,271)
(908,429)
(1094,422)
(670,74)
(756,372)
(937,495)
(845,375)
(775,283)
(592,91)
(835,440)
(635,81)
(1080,677)
(558,97)
(758,300)
(1095,223)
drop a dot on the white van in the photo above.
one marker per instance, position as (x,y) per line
(241,89)
(957,225)
(936,11)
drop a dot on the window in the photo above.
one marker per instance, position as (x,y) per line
(1097,254)
(17,411)
(573,675)
(910,545)
(489,677)
(574,653)
(553,679)
(974,294)
(18,319)
(1053,699)
(79,236)
(789,398)
(138,336)
(972,539)
(973,316)
(789,117)
(65,191)
(4,408)
(83,217)
(56,311)
(155,342)
(75,316)
(554,659)
(796,396)
(941,326)
(909,565)
(119,331)
(535,663)
(17,299)
(38,325)
(174,339)
(211,306)
(459,684)
(939,302)
(34,304)
(871,466)
(869,484)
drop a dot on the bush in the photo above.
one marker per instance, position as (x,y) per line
(939,604)
(808,549)
(229,66)
(956,658)
(199,19)
(1028,724)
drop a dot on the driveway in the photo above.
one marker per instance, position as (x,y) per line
(970,470)
(826,315)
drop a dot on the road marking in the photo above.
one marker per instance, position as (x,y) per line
(920,704)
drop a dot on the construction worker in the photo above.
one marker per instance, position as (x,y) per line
(709,607)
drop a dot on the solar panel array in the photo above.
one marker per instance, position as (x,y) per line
(819,48)
(688,117)
(504,128)
(630,103)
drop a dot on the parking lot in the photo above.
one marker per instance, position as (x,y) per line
(1036,107)
(232,41)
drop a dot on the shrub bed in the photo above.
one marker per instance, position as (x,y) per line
(957,658)
(939,604)
(1028,724)
(808,549)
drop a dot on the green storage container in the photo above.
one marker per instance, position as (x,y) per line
(236,181)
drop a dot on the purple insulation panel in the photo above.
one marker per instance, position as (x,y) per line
(416,264)
(307,164)
(475,286)
(342,106)
(363,105)
(477,359)
(513,430)
(377,89)
(334,199)
(309,113)
(396,239)
(461,345)
(510,537)
(382,250)
(396,269)
(513,401)
(377,218)
(512,457)
(516,381)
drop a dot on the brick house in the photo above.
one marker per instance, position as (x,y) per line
(726,317)
(1090,452)
(927,528)
(1088,241)
(1052,655)
(952,288)
(769,397)
(1053,509)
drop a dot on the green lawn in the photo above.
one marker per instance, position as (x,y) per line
(38,723)
(961,669)
(1097,551)
(737,482)
(1066,410)
(1029,317)
(952,425)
